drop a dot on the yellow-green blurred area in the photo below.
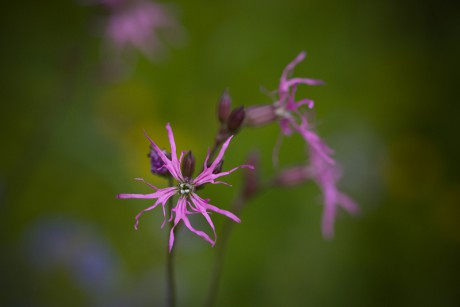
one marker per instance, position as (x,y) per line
(72,138)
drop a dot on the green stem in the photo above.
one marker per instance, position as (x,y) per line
(170,284)
(220,253)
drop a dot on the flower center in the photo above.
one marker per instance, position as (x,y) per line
(281,112)
(185,188)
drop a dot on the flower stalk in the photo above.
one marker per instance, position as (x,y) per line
(170,281)
(249,190)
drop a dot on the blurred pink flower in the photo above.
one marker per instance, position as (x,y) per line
(325,172)
(134,24)
(322,168)
(285,109)
(189,202)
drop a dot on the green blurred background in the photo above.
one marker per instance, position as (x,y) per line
(72,140)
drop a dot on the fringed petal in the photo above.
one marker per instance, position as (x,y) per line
(179,215)
(223,212)
(205,163)
(231,171)
(145,196)
(207,172)
(289,69)
(197,202)
(204,204)
(221,154)
(207,177)
(348,204)
(198,232)
(147,183)
(307,81)
(162,196)
(328,220)
(174,160)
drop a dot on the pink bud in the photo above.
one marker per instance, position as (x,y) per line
(236,119)
(188,165)
(224,107)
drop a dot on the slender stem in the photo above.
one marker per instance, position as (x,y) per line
(170,284)
(220,253)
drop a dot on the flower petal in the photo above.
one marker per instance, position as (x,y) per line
(179,214)
(147,183)
(162,196)
(210,177)
(182,207)
(145,196)
(328,219)
(198,232)
(289,69)
(302,102)
(231,171)
(207,173)
(197,202)
(221,153)
(307,81)
(348,204)
(313,140)
(172,142)
(285,125)
(208,206)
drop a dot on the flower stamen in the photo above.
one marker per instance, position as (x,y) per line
(185,188)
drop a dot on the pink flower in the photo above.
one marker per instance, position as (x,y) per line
(322,168)
(325,172)
(189,202)
(133,24)
(326,176)
(285,109)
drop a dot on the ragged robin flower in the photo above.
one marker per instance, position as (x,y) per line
(326,176)
(322,167)
(189,202)
(285,109)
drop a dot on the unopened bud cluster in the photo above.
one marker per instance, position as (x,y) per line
(230,120)
(157,165)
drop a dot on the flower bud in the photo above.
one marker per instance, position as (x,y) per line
(292,176)
(188,165)
(156,164)
(218,168)
(260,115)
(224,107)
(236,119)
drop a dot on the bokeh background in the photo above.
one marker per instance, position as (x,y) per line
(72,139)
